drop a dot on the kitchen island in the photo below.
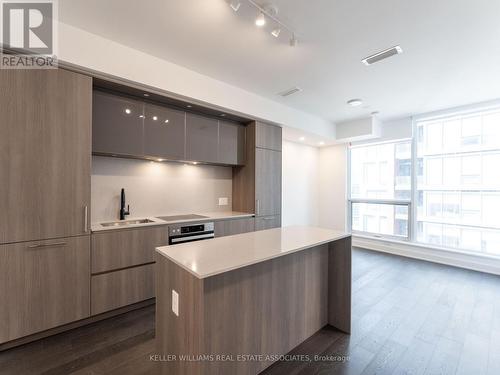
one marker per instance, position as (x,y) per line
(233,305)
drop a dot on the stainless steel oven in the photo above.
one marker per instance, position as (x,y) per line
(190,232)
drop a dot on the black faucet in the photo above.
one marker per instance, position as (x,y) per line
(123,213)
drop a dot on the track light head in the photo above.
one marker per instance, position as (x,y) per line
(276,32)
(234,4)
(293,40)
(261,20)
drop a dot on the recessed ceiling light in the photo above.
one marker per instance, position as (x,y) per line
(302,138)
(235,5)
(276,32)
(355,102)
(195,162)
(382,55)
(189,106)
(155,118)
(146,95)
(321,143)
(260,20)
(128,111)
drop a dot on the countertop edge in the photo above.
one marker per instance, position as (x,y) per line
(160,222)
(242,265)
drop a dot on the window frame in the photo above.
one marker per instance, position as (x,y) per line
(393,202)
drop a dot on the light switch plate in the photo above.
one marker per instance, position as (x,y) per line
(223,201)
(175,302)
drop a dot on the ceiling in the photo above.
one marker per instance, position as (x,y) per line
(451,49)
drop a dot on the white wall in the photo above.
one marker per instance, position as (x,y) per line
(154,189)
(300,184)
(332,187)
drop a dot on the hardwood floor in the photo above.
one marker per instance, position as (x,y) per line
(409,317)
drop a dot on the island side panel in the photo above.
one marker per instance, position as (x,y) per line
(339,285)
(267,308)
(183,334)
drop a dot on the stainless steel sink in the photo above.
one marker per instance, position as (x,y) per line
(127,222)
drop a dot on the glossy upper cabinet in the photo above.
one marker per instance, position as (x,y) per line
(231,143)
(164,132)
(45,154)
(202,138)
(117,125)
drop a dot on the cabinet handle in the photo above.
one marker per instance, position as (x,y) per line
(85,219)
(257,204)
(38,245)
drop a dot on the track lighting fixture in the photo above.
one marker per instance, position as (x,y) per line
(267,14)
(276,32)
(235,5)
(261,20)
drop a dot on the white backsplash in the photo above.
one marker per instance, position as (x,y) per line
(153,188)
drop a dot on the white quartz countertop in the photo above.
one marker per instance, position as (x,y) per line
(211,257)
(208,216)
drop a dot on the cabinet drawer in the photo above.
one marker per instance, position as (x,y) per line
(234,226)
(267,222)
(116,289)
(125,248)
(43,285)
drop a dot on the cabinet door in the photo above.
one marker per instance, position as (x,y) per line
(268,136)
(267,182)
(117,125)
(267,222)
(201,138)
(234,226)
(231,143)
(116,249)
(43,285)
(45,154)
(117,289)
(164,132)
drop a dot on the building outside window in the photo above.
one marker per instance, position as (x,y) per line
(454,199)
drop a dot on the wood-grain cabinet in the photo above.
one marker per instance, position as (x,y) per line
(116,249)
(257,185)
(234,226)
(129,127)
(43,285)
(122,266)
(45,154)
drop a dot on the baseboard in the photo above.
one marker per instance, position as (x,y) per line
(459,259)
(73,325)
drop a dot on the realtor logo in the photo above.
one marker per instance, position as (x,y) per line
(28,34)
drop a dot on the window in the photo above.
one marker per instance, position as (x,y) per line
(445,192)
(381,189)
(460,182)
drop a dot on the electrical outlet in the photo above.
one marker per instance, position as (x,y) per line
(175,302)
(223,201)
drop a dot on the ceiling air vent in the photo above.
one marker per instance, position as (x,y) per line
(382,55)
(289,92)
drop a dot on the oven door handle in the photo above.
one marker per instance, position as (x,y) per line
(190,238)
